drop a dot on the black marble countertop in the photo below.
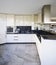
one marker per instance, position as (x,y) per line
(51,37)
(20,33)
(47,37)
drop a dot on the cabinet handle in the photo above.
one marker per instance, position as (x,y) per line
(15,36)
(15,39)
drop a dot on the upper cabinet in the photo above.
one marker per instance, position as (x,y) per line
(10,20)
(2,23)
(18,20)
(28,20)
(24,20)
(40,17)
(35,18)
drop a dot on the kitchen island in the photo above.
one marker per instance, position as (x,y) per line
(47,49)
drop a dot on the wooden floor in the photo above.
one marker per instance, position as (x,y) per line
(19,54)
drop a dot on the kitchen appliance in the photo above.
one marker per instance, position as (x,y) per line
(9,29)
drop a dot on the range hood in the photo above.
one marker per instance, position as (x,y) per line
(53,19)
(47,14)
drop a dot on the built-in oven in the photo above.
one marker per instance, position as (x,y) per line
(9,29)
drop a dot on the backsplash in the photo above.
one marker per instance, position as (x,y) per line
(19,29)
(28,29)
(46,27)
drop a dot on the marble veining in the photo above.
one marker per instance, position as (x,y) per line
(19,54)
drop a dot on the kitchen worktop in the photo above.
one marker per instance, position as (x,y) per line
(20,33)
(51,37)
(44,32)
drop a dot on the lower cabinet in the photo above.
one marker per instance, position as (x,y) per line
(20,38)
(12,38)
(2,38)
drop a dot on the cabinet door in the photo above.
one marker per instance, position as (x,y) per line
(18,20)
(24,20)
(2,24)
(21,38)
(10,20)
(12,38)
(28,19)
(2,28)
(2,38)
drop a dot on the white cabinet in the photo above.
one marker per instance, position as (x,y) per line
(2,28)
(10,20)
(18,20)
(12,38)
(28,20)
(20,38)
(2,38)
(2,24)
(25,20)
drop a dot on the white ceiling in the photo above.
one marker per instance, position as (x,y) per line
(23,6)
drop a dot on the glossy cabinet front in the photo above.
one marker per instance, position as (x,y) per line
(20,38)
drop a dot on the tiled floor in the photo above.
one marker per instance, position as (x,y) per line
(19,54)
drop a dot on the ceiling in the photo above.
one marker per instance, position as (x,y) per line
(23,6)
